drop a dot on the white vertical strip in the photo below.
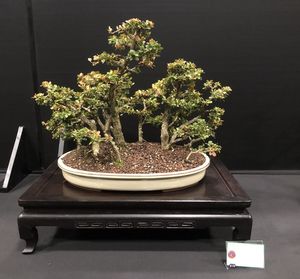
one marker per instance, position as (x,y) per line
(60,147)
(12,157)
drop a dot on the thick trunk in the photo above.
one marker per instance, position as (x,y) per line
(116,123)
(117,130)
(93,126)
(164,133)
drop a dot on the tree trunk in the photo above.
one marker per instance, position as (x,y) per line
(140,130)
(117,151)
(164,133)
(95,148)
(116,123)
(117,130)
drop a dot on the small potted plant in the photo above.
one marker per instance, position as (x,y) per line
(186,114)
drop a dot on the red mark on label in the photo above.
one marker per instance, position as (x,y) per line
(231,254)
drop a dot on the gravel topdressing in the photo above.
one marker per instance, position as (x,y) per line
(143,157)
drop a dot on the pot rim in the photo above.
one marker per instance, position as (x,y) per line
(131,176)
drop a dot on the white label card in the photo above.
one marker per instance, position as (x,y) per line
(245,253)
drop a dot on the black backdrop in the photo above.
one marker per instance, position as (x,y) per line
(253,46)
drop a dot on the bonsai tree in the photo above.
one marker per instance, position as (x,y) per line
(91,115)
(184,114)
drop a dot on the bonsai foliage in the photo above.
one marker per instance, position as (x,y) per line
(184,114)
(91,115)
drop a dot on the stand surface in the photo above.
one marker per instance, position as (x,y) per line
(217,200)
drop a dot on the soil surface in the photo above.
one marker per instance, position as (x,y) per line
(143,157)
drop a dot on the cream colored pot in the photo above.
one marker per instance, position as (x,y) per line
(133,182)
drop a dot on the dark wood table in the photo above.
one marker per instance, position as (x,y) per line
(217,200)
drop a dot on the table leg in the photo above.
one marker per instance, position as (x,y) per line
(29,234)
(242,230)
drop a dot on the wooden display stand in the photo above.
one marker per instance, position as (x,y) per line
(217,200)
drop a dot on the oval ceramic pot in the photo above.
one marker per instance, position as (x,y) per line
(133,182)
